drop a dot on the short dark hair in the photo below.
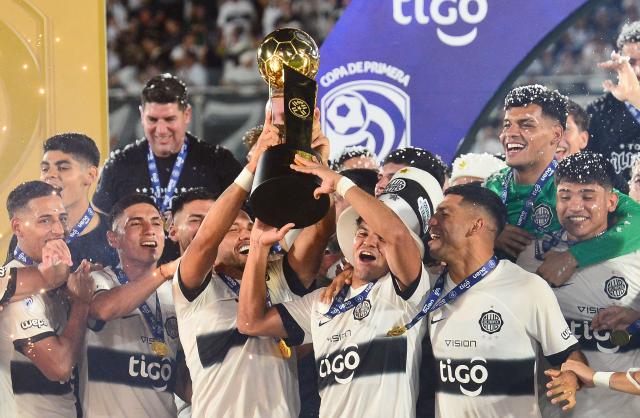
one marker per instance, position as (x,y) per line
(580,116)
(129,200)
(586,167)
(25,193)
(80,146)
(629,33)
(199,193)
(419,158)
(165,88)
(364,178)
(552,103)
(349,153)
(477,195)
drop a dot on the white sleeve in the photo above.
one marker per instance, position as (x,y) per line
(547,324)
(296,317)
(7,283)
(415,293)
(102,281)
(26,321)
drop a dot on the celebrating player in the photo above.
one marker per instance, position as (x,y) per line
(363,351)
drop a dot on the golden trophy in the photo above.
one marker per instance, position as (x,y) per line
(288,59)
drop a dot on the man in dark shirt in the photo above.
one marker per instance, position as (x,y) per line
(168,160)
(615,122)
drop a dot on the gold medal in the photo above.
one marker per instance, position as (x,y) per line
(619,338)
(159,348)
(285,350)
(396,331)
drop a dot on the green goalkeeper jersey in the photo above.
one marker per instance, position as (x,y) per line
(621,238)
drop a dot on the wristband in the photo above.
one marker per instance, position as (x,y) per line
(245,180)
(601,379)
(630,378)
(344,184)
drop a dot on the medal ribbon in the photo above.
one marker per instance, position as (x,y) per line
(19,255)
(340,306)
(634,111)
(153,321)
(537,188)
(81,225)
(634,328)
(430,304)
(164,203)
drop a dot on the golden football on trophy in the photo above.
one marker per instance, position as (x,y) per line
(289,46)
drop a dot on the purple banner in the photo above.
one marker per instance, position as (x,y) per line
(419,72)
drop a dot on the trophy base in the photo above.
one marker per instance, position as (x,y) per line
(281,195)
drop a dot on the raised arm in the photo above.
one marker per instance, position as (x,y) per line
(122,300)
(56,355)
(403,254)
(51,273)
(201,253)
(254,318)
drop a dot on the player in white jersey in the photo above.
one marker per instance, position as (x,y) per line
(365,368)
(235,375)
(585,198)
(130,367)
(41,336)
(493,317)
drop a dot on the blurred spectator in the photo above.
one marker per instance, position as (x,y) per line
(147,38)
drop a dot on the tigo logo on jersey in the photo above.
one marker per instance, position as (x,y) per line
(471,377)
(361,311)
(341,365)
(158,373)
(590,339)
(490,322)
(371,113)
(542,215)
(616,287)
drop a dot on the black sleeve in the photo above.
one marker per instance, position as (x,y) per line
(410,290)
(294,331)
(105,195)
(559,358)
(293,281)
(192,294)
(12,276)
(19,344)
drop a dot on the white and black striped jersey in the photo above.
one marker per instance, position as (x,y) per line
(361,371)
(120,375)
(24,322)
(485,344)
(613,282)
(234,375)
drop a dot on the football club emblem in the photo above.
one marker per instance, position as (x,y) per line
(171,325)
(490,322)
(362,310)
(542,215)
(616,287)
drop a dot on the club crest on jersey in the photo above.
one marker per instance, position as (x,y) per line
(616,287)
(542,215)
(361,311)
(171,326)
(490,322)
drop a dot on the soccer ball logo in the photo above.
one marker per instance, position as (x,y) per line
(287,46)
(347,114)
(369,113)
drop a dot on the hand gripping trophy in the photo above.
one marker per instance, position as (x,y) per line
(288,59)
